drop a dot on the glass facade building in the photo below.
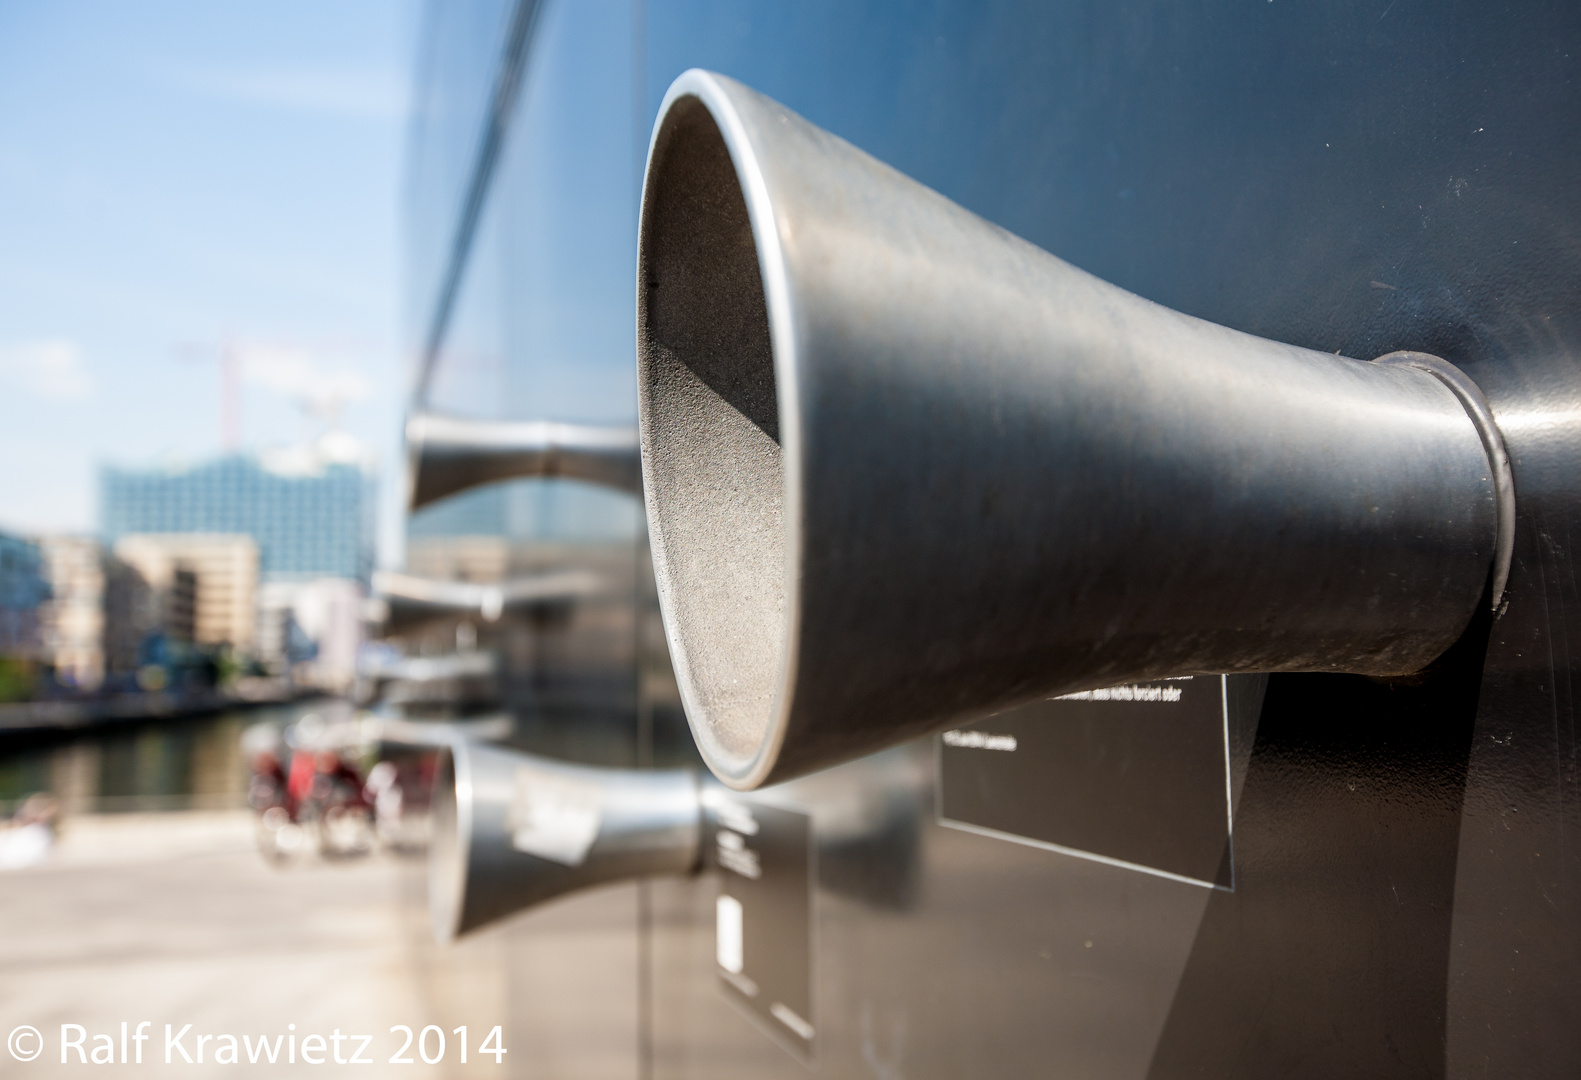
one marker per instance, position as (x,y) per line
(23,588)
(308,524)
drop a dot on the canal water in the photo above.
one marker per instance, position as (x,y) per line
(190,764)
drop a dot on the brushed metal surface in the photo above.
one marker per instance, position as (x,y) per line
(512,830)
(903,468)
(450,454)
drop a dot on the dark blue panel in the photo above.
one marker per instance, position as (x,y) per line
(1317,173)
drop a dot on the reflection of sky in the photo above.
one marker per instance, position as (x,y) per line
(574,226)
(1271,167)
(178,174)
(543,326)
(458,46)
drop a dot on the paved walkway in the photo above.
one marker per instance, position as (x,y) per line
(174,918)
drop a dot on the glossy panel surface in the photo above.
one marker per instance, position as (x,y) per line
(540,330)
(1356,177)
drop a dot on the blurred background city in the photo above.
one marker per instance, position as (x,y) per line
(241,246)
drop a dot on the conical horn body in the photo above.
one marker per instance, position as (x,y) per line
(511,830)
(449,454)
(903,468)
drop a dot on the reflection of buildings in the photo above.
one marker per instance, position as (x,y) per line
(22,590)
(280,545)
(566,660)
(481,559)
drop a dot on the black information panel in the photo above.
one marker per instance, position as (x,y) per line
(1139,775)
(764,917)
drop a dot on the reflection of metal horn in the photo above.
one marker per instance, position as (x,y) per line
(433,594)
(512,830)
(430,669)
(904,468)
(449,454)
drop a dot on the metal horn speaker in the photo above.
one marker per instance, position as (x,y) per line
(511,830)
(449,454)
(904,468)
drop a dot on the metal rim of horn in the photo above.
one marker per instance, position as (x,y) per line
(903,468)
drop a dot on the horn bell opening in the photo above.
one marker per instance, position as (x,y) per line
(713,465)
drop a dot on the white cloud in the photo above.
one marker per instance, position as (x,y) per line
(299,373)
(47,368)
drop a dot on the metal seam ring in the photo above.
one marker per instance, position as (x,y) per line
(1476,406)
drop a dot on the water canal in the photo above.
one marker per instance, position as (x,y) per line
(188,764)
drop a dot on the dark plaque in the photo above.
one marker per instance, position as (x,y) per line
(764,917)
(1138,775)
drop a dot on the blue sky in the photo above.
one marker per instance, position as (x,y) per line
(179,177)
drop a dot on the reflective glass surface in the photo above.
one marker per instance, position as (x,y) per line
(1357,177)
(541,328)
(542,325)
(460,47)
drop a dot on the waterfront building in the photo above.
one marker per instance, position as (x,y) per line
(23,589)
(311,629)
(132,612)
(71,621)
(309,512)
(306,516)
(207,583)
